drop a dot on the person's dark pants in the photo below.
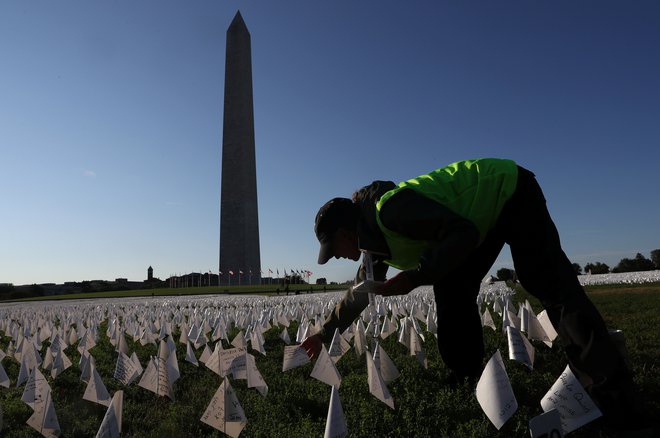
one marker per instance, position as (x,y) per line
(545,272)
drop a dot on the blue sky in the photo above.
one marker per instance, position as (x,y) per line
(111,122)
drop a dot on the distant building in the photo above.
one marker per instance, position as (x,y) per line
(150,273)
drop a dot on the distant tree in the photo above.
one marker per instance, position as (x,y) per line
(596,268)
(577,268)
(6,290)
(655,258)
(321,280)
(35,291)
(506,274)
(639,263)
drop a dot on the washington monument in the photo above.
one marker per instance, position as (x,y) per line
(239,220)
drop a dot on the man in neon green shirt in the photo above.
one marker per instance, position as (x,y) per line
(446,229)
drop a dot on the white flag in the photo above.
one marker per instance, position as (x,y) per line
(285,336)
(44,418)
(156,379)
(121,343)
(548,328)
(254,377)
(4,379)
(571,400)
(487,319)
(60,363)
(520,348)
(96,391)
(494,392)
(111,424)
(547,425)
(325,370)
(36,388)
(360,338)
(224,412)
(384,365)
(294,356)
(338,346)
(125,370)
(389,327)
(335,423)
(257,341)
(167,353)
(85,364)
(416,348)
(47,364)
(206,354)
(190,354)
(137,363)
(377,386)
(232,361)
(239,340)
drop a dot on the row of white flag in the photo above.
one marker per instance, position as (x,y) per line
(162,371)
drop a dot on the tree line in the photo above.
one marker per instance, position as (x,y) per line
(638,263)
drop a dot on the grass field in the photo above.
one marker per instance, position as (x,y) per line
(296,405)
(266,290)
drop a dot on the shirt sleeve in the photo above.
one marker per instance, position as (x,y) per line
(418,217)
(352,305)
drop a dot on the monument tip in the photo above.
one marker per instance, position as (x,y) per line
(238,20)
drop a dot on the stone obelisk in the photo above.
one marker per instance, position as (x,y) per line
(239,221)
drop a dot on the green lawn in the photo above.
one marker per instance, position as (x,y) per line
(296,405)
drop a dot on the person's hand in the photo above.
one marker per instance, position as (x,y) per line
(400,284)
(312,346)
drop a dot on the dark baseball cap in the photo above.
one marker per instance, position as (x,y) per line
(336,213)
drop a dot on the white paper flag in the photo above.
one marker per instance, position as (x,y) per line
(35,389)
(232,361)
(206,354)
(4,378)
(125,370)
(494,392)
(190,355)
(338,347)
(96,391)
(335,423)
(571,400)
(388,328)
(548,328)
(546,425)
(519,347)
(60,363)
(254,377)
(111,424)
(156,379)
(487,319)
(285,336)
(294,356)
(377,386)
(416,349)
(44,418)
(239,341)
(85,364)
(384,365)
(225,412)
(325,370)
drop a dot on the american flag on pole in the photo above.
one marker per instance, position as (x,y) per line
(231,272)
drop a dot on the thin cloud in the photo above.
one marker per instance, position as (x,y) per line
(89,174)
